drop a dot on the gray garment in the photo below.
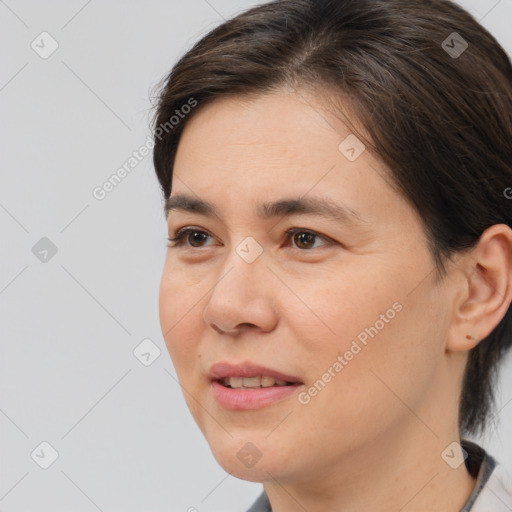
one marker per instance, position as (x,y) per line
(261,504)
(479,465)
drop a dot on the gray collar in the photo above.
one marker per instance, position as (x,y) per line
(480,465)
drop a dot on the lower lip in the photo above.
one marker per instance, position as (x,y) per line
(246,399)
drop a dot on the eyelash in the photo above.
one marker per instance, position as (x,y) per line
(180,236)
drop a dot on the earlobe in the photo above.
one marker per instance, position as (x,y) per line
(487,289)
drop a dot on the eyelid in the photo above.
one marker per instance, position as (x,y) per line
(179,237)
(290,232)
(181,233)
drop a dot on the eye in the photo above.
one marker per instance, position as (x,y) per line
(305,240)
(179,237)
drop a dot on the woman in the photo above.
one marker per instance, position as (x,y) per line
(336,294)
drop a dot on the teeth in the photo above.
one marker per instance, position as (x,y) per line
(235,382)
(266,382)
(252,382)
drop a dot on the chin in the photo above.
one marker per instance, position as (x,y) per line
(254,461)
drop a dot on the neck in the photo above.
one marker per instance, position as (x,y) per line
(402,470)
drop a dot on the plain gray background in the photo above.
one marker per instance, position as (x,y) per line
(70,321)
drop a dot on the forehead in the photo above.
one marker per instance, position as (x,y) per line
(240,151)
(280,135)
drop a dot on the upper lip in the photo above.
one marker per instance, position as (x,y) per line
(223,370)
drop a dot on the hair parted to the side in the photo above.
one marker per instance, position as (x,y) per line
(442,124)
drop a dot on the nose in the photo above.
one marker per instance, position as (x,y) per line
(242,298)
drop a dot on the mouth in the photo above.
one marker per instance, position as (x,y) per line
(260,381)
(248,386)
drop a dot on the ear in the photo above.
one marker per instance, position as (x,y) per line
(486,293)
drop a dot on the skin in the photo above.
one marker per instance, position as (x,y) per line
(372,439)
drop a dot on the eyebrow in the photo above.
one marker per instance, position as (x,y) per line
(317,206)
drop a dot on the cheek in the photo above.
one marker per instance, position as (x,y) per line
(342,307)
(373,321)
(391,348)
(179,307)
(180,319)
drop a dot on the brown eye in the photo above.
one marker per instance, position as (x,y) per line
(194,236)
(304,239)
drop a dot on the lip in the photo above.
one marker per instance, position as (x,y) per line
(222,370)
(249,399)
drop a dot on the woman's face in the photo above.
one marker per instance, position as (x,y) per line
(349,312)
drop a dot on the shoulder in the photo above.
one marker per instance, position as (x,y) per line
(262,504)
(493,489)
(496,494)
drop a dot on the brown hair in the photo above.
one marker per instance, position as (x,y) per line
(438,114)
